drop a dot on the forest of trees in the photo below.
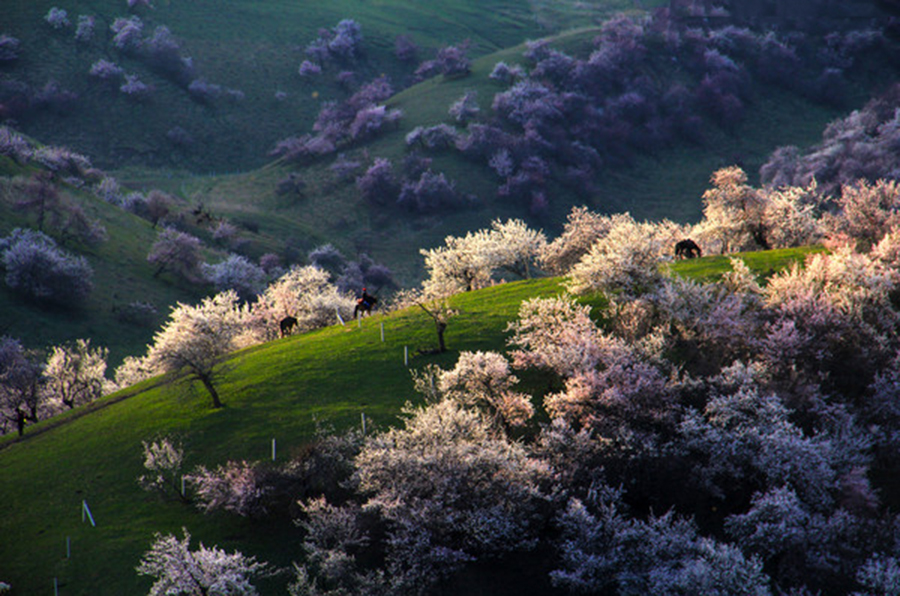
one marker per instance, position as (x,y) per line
(733,436)
(769,402)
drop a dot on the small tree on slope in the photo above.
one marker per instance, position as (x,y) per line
(197,337)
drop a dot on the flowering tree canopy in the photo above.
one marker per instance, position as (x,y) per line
(196,338)
(209,571)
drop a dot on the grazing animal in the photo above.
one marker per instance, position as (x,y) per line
(364,303)
(287,325)
(687,249)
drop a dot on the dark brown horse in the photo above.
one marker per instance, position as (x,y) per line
(287,325)
(687,249)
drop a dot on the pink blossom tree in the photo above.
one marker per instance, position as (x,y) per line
(21,377)
(178,570)
(484,379)
(235,486)
(175,251)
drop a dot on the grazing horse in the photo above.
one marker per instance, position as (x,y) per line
(287,325)
(687,249)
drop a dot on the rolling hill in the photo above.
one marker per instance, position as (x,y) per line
(253,47)
(282,391)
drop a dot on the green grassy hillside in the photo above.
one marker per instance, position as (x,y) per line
(282,390)
(121,276)
(254,46)
(669,184)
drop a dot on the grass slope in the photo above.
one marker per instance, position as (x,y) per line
(279,390)
(121,276)
(668,184)
(251,45)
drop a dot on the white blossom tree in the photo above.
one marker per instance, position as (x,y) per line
(462,264)
(177,252)
(880,576)
(555,333)
(625,262)
(791,216)
(238,274)
(163,457)
(867,211)
(132,370)
(608,552)
(469,262)
(180,571)
(516,246)
(75,374)
(834,316)
(335,536)
(582,229)
(610,386)
(744,439)
(196,338)
(800,543)
(305,293)
(733,213)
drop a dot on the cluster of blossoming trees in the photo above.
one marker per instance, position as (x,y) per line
(159,50)
(564,119)
(733,437)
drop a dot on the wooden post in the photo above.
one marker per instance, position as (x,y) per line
(363,416)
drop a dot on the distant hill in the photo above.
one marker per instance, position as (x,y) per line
(664,180)
(250,49)
(121,277)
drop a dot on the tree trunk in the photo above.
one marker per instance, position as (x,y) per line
(207,382)
(20,421)
(441,327)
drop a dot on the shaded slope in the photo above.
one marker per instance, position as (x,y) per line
(666,184)
(254,46)
(121,276)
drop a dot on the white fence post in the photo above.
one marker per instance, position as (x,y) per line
(86,511)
